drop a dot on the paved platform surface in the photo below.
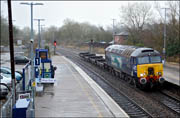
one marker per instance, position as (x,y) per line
(74,94)
(172,75)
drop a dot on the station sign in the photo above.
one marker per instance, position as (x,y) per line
(47,80)
(37,61)
(24,96)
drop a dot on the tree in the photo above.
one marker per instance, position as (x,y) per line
(4,31)
(134,16)
(173,30)
(50,34)
(73,32)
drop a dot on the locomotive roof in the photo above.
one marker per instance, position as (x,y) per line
(129,51)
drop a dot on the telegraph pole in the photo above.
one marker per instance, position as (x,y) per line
(39,30)
(164,49)
(179,28)
(11,52)
(113,30)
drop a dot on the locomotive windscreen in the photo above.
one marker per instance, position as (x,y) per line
(42,55)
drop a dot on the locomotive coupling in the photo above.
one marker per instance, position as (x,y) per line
(143,81)
(161,80)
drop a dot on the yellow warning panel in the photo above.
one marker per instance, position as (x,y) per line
(34,84)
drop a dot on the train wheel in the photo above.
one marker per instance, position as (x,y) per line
(117,74)
(134,83)
(120,75)
(129,80)
(113,72)
(123,76)
(109,69)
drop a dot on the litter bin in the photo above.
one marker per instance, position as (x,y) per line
(19,109)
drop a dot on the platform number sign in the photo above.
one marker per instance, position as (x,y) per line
(37,61)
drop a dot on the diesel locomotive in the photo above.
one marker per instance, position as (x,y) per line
(138,65)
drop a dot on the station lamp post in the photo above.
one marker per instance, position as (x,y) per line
(39,22)
(42,34)
(32,40)
(164,48)
(113,31)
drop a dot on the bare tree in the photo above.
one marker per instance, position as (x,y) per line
(172,26)
(173,15)
(134,16)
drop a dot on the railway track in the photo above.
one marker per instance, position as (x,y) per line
(171,102)
(164,99)
(128,105)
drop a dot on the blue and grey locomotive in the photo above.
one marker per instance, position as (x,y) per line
(139,65)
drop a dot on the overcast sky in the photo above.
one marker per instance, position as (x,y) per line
(55,12)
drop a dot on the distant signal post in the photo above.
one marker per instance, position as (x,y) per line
(55,47)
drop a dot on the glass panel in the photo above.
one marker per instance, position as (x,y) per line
(134,60)
(155,59)
(47,66)
(7,75)
(43,55)
(143,60)
(21,57)
(5,71)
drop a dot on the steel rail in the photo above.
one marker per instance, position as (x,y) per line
(127,104)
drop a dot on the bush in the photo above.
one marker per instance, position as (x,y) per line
(173,49)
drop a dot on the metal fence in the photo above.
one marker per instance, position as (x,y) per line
(26,77)
(6,110)
(21,87)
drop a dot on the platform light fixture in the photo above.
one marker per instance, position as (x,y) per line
(39,30)
(32,40)
(164,48)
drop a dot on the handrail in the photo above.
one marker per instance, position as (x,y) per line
(25,67)
(27,64)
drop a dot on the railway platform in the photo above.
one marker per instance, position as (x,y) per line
(74,94)
(171,74)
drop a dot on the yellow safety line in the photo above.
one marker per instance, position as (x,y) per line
(87,94)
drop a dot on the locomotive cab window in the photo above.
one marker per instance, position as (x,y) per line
(134,60)
(155,59)
(143,60)
(149,59)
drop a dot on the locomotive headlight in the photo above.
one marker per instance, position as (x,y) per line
(141,74)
